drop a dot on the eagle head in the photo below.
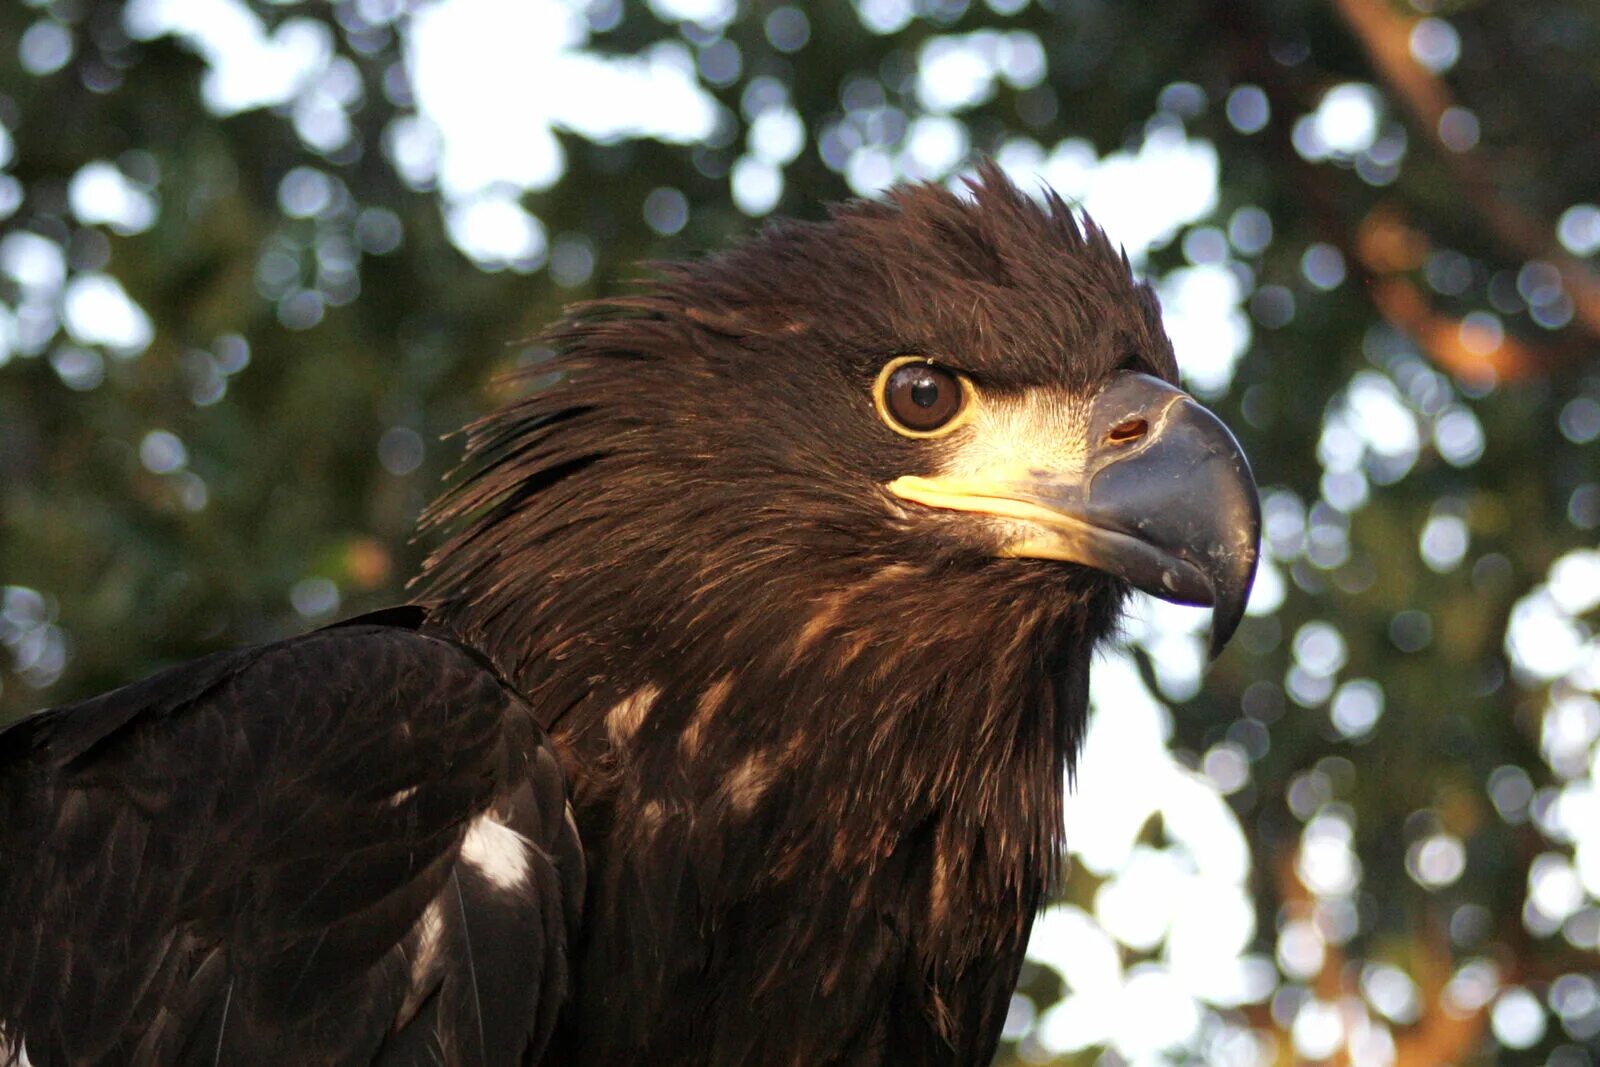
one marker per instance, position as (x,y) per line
(929,407)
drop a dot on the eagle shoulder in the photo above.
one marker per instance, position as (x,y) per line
(351,846)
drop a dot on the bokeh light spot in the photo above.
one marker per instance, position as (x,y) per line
(1247,109)
(1435,44)
(400,450)
(162,452)
(45,47)
(1578,229)
(1517,1019)
(666,210)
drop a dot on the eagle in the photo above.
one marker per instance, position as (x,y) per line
(729,722)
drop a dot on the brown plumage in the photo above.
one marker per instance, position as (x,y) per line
(813,691)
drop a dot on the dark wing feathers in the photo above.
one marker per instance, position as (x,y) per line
(348,847)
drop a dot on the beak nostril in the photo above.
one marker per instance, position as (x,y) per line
(1127,430)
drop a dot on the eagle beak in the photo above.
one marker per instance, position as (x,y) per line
(1164,500)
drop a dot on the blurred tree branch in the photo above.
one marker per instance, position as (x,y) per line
(1385,34)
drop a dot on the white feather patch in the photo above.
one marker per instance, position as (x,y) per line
(13,1056)
(1011,436)
(745,784)
(705,708)
(624,720)
(497,852)
(429,930)
(401,796)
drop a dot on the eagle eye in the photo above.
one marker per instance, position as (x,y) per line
(918,398)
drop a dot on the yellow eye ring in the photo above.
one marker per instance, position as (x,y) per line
(918,398)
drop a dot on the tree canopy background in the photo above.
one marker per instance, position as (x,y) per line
(256,258)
